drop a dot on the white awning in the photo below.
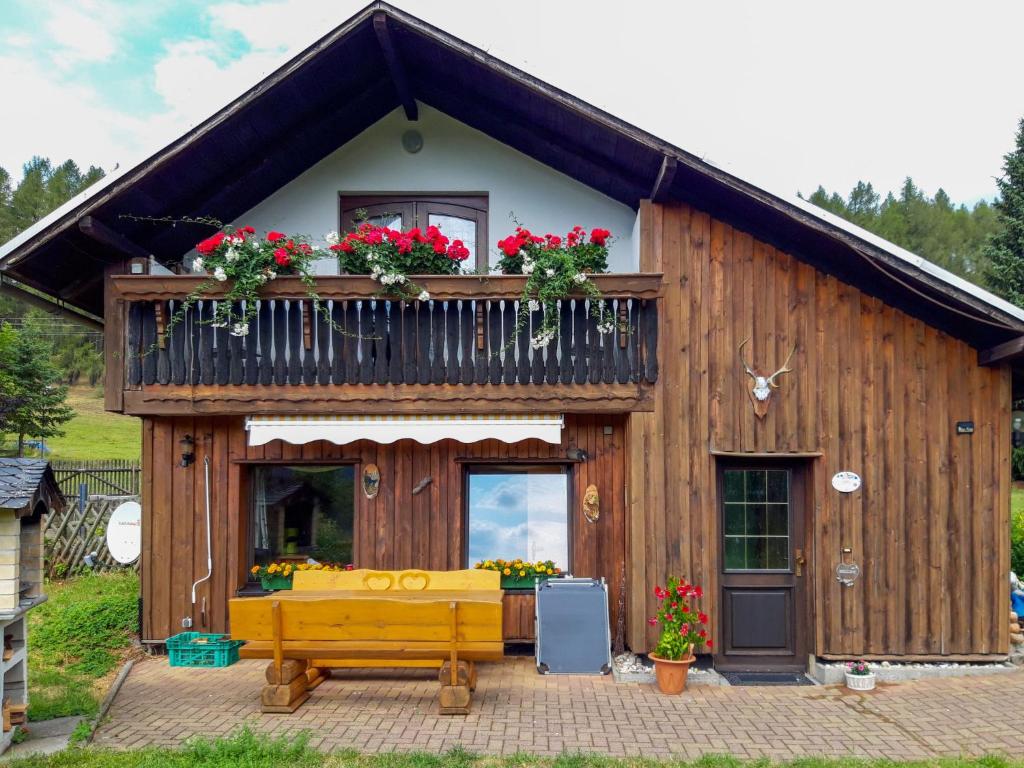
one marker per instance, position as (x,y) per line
(427,428)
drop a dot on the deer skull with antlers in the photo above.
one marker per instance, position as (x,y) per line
(761,390)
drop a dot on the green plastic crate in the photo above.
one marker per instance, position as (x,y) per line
(216,651)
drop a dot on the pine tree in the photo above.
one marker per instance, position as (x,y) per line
(1005,249)
(37,405)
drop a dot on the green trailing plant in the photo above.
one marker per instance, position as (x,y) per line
(1017,542)
(1017,463)
(556,268)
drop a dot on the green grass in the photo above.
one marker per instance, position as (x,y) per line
(77,639)
(245,750)
(1017,531)
(95,434)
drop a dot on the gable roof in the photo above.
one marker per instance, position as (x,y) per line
(24,481)
(382,58)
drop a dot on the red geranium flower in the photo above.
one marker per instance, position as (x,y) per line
(248,230)
(281,257)
(273,237)
(670,617)
(702,617)
(709,644)
(653,621)
(599,236)
(660,593)
(457,251)
(698,592)
(209,245)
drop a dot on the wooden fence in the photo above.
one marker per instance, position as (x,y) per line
(102,477)
(71,535)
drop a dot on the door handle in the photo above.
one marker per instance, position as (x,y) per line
(799,560)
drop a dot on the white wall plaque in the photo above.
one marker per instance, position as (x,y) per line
(124,532)
(846,482)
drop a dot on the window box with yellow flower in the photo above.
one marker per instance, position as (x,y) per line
(274,576)
(521,574)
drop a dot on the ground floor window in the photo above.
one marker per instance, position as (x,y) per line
(302,512)
(518,512)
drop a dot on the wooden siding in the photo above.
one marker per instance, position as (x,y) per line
(393,531)
(872,390)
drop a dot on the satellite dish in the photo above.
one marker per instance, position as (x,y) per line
(124,532)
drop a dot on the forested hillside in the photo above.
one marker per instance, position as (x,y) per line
(952,236)
(76,350)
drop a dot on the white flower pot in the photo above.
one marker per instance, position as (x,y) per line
(860,682)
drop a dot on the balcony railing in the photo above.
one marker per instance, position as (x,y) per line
(466,335)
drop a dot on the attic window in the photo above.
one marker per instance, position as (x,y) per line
(460,217)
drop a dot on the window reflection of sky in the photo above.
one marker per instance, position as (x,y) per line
(518,515)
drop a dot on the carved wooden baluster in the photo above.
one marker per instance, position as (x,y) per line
(423,326)
(609,342)
(235,349)
(176,345)
(323,343)
(252,347)
(453,371)
(134,351)
(634,341)
(568,358)
(536,355)
(366,342)
(508,326)
(437,339)
(206,368)
(266,358)
(409,343)
(622,348)
(222,359)
(352,332)
(467,323)
(338,342)
(551,353)
(380,344)
(280,342)
(494,342)
(294,342)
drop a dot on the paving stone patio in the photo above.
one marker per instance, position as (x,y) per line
(515,709)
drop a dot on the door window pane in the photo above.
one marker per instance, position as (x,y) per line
(456,228)
(756,533)
(518,514)
(389,220)
(301,513)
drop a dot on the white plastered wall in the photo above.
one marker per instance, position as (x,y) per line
(454,158)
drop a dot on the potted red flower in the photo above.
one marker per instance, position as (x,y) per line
(683,627)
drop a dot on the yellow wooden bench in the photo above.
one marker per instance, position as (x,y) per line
(369,580)
(303,630)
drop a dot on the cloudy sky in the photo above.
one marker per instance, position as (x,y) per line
(789,94)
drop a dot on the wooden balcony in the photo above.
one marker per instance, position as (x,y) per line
(460,352)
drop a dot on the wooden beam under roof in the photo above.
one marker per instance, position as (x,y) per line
(395,66)
(1002,353)
(662,184)
(101,233)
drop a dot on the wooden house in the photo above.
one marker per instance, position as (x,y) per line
(858,508)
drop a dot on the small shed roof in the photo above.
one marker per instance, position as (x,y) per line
(24,482)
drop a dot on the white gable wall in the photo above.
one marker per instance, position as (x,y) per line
(454,158)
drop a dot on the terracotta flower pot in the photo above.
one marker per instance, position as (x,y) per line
(671,675)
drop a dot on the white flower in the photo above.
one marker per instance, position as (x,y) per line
(220,274)
(240,329)
(542,339)
(527,267)
(219,324)
(331,238)
(197,263)
(400,278)
(424,296)
(606,327)
(549,272)
(272,275)
(534,305)
(231,254)
(580,278)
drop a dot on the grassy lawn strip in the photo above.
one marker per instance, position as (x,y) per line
(246,750)
(77,639)
(95,434)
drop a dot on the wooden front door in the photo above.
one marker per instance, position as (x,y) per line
(763,568)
